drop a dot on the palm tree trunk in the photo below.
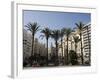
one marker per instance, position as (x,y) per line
(81,48)
(56,53)
(62,47)
(47,51)
(67,52)
(32,51)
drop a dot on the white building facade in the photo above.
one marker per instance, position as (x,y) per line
(39,48)
(27,40)
(86,44)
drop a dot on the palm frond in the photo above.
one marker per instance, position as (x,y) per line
(68,31)
(46,32)
(79,25)
(41,36)
(55,34)
(76,39)
(62,32)
(28,28)
(33,27)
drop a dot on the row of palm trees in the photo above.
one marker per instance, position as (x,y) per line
(56,35)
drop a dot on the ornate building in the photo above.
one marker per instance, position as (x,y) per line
(86,44)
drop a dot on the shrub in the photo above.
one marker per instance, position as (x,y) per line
(73,57)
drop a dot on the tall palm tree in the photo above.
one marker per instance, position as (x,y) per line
(47,34)
(80,26)
(62,32)
(33,27)
(76,40)
(67,33)
(56,35)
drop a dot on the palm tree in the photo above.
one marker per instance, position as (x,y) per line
(80,26)
(33,27)
(47,33)
(62,32)
(67,33)
(56,35)
(76,40)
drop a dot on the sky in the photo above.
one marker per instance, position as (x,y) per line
(54,20)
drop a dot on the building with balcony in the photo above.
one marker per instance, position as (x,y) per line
(87,41)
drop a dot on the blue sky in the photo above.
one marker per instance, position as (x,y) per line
(54,20)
